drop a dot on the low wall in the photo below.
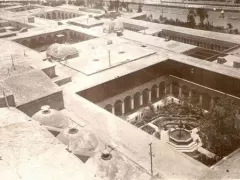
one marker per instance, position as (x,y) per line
(55,101)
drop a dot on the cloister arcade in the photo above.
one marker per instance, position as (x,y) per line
(206,43)
(58,15)
(43,41)
(153,92)
(23,8)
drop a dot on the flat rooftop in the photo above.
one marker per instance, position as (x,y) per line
(106,56)
(28,151)
(155,27)
(29,86)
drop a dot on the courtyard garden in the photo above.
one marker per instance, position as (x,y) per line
(217,130)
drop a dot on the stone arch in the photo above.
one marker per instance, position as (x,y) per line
(185,92)
(127,104)
(25,43)
(74,15)
(154,93)
(65,35)
(175,89)
(59,15)
(54,16)
(167,87)
(66,16)
(49,39)
(118,107)
(162,87)
(48,16)
(33,43)
(108,107)
(206,101)
(216,100)
(145,96)
(136,98)
(41,40)
(195,97)
(63,16)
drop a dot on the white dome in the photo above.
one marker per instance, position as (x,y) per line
(51,117)
(79,141)
(108,26)
(118,25)
(61,51)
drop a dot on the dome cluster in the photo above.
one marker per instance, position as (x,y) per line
(80,141)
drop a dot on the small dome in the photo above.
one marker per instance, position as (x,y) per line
(118,25)
(108,26)
(114,166)
(51,117)
(79,141)
(61,51)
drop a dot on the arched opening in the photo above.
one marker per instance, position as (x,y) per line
(185,92)
(48,16)
(65,36)
(137,100)
(167,88)
(49,40)
(66,16)
(63,17)
(216,100)
(74,15)
(195,97)
(154,93)
(162,89)
(118,107)
(108,107)
(54,15)
(42,16)
(25,43)
(145,96)
(206,100)
(127,103)
(59,15)
(41,41)
(175,89)
(33,43)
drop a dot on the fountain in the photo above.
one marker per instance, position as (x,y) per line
(180,136)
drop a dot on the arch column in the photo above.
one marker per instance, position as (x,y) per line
(190,95)
(149,96)
(200,99)
(180,92)
(123,108)
(113,110)
(157,92)
(211,103)
(141,100)
(132,103)
(171,89)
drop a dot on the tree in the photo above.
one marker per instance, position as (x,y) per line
(148,113)
(139,8)
(202,13)
(191,18)
(220,128)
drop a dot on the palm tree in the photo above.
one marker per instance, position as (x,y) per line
(191,18)
(202,13)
